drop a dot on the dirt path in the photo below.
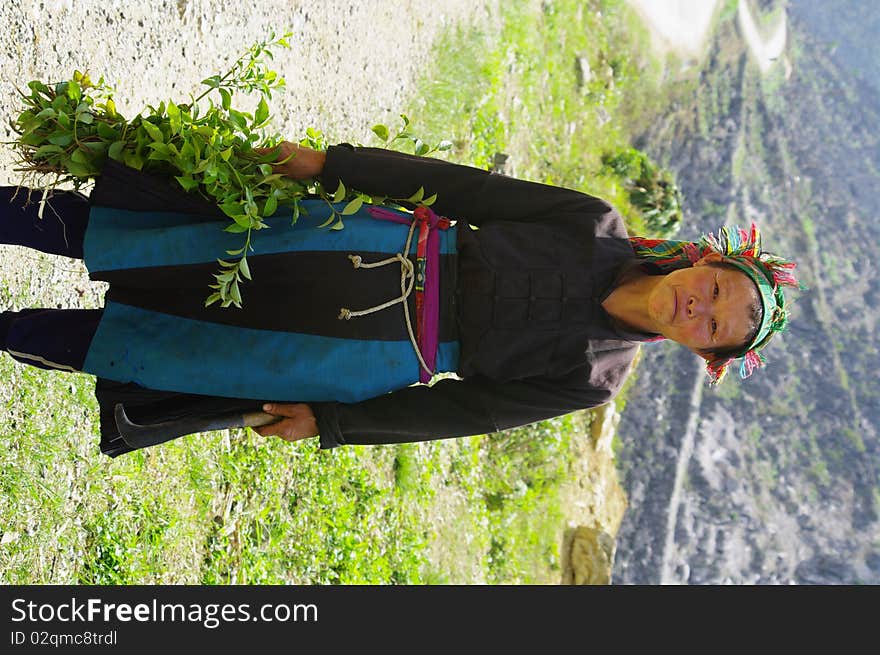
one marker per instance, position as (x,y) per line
(765,49)
(684,26)
(680,25)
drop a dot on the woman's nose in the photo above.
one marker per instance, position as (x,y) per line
(695,307)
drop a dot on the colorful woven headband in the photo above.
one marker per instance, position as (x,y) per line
(743,250)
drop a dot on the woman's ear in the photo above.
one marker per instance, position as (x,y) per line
(707,356)
(710,258)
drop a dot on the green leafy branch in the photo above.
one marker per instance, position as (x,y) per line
(353,199)
(420,147)
(69,130)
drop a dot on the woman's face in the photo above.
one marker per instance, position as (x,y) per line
(704,307)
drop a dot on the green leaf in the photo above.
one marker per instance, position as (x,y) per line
(235,252)
(154,132)
(47,150)
(85,117)
(48,112)
(340,192)
(270,206)
(444,145)
(214,297)
(64,120)
(225,99)
(231,209)
(38,87)
(187,151)
(427,202)
(418,195)
(239,118)
(235,228)
(34,140)
(381,131)
(187,182)
(107,132)
(234,293)
(421,147)
(244,268)
(174,120)
(266,169)
(242,219)
(352,206)
(329,220)
(115,150)
(338,225)
(61,138)
(79,170)
(79,157)
(133,160)
(262,112)
(73,90)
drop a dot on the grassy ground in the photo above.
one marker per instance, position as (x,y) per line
(232,507)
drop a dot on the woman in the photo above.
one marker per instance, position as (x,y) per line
(535,298)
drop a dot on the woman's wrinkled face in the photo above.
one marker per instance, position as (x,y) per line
(704,307)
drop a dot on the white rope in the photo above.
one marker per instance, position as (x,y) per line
(37,358)
(406,273)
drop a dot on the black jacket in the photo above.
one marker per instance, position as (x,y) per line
(535,341)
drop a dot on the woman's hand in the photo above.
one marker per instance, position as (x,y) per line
(296,161)
(298,422)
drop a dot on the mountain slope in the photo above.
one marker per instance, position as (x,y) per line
(772,479)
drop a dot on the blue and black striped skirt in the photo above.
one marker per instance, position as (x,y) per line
(287,343)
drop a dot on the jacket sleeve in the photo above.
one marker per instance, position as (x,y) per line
(453,408)
(463,192)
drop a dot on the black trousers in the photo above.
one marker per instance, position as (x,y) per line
(55,339)
(59,339)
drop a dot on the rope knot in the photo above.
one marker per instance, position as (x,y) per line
(356,260)
(344,314)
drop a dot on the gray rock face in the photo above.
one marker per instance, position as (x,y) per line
(772,480)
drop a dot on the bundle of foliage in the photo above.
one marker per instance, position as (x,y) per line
(651,189)
(69,129)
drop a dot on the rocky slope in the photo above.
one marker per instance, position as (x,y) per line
(775,479)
